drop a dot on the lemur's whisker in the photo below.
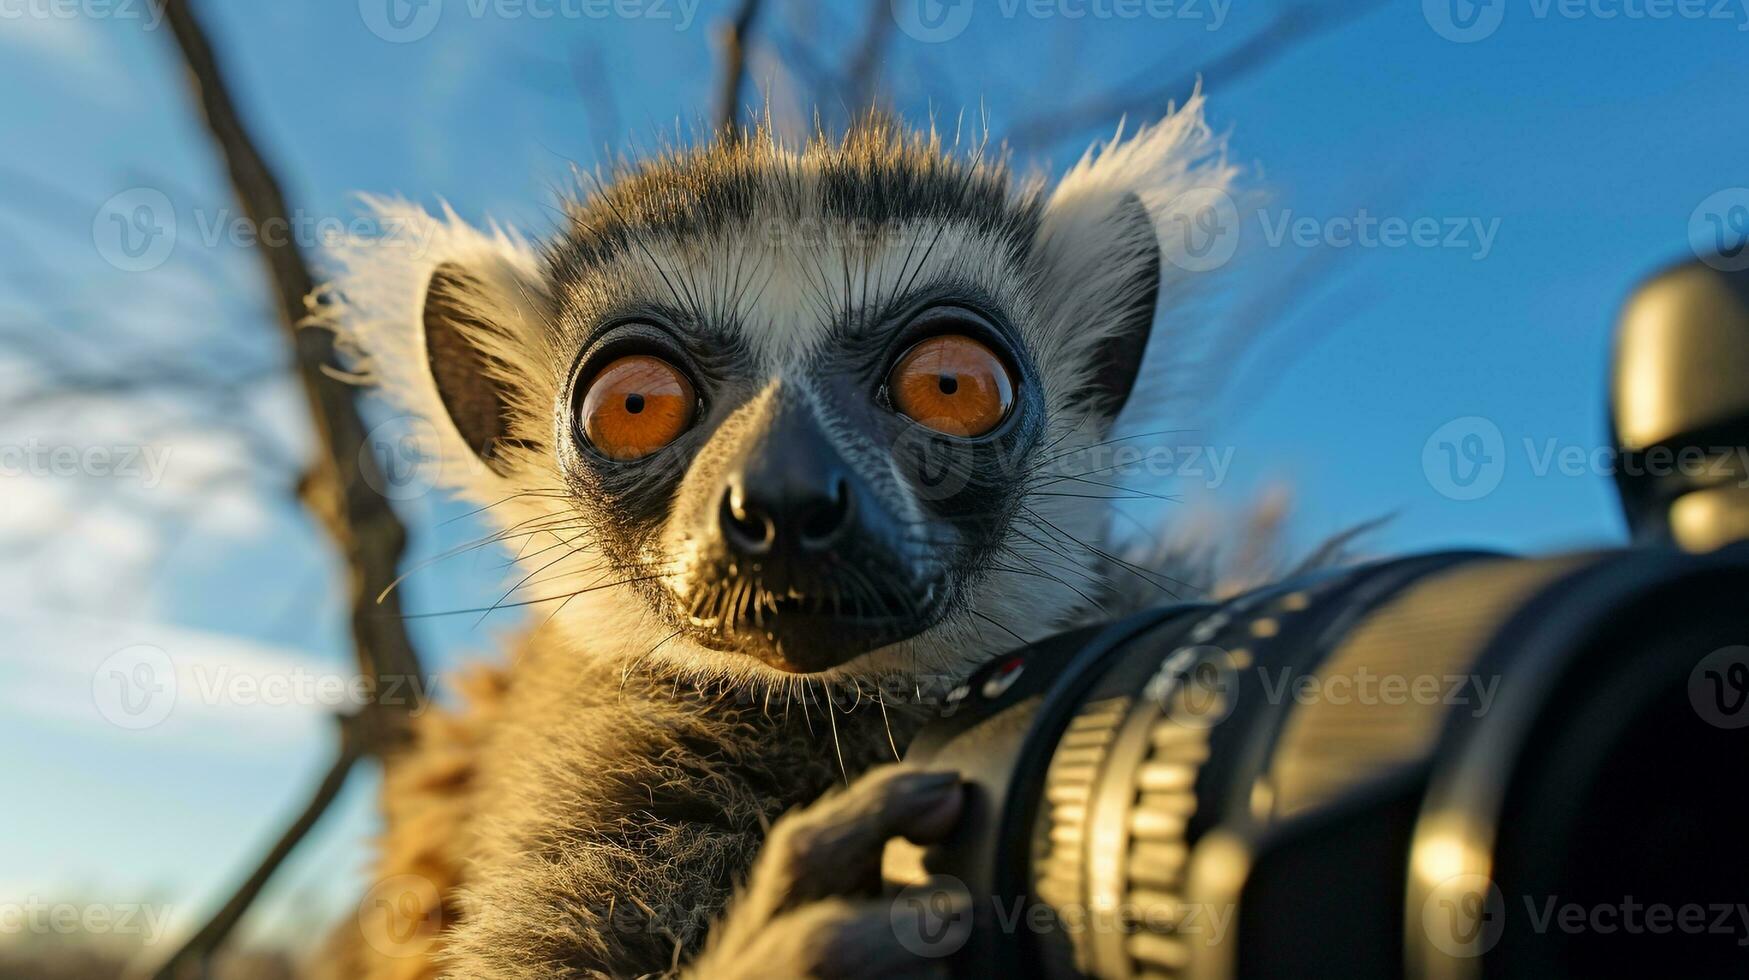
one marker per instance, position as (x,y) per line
(1113,486)
(497,537)
(1093,496)
(532,602)
(837,745)
(1114,440)
(887,723)
(630,667)
(1046,575)
(1023,640)
(524,581)
(565,573)
(1122,563)
(549,492)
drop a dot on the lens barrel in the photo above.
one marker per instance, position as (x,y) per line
(1450,765)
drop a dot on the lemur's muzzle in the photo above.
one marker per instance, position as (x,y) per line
(819,569)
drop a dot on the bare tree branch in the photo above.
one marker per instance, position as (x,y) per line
(190,961)
(337,488)
(735,66)
(862,73)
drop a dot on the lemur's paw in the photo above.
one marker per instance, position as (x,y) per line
(811,905)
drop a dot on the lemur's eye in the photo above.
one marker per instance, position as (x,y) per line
(952,384)
(635,406)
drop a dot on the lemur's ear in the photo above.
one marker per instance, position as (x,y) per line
(453,324)
(1102,281)
(1117,357)
(467,377)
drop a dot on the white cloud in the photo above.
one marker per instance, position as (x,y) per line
(189,691)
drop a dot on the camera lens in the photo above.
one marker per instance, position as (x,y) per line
(1455,765)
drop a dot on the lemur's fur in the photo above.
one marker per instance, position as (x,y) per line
(592,809)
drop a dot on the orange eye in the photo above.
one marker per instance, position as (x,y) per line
(635,406)
(952,384)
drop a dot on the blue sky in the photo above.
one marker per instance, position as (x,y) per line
(1561,156)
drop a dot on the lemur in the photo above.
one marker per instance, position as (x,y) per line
(775,432)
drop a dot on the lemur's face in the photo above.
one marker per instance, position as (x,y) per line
(807,476)
(804,481)
(760,413)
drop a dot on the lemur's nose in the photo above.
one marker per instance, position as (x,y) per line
(804,519)
(787,492)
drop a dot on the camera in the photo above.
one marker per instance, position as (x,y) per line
(1462,764)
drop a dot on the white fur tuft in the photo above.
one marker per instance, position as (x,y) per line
(1089,251)
(1159,164)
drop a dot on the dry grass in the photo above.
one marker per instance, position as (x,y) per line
(91,958)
